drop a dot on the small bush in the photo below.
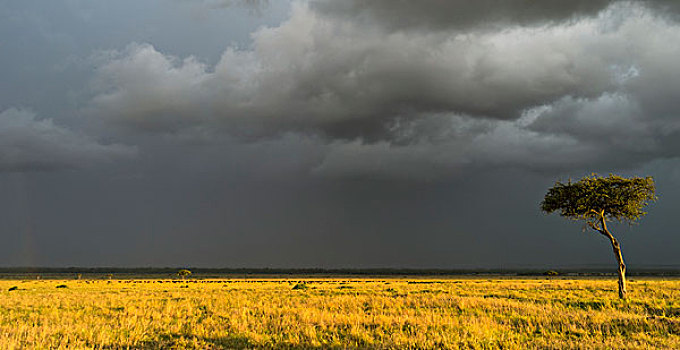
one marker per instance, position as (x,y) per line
(62,286)
(551,273)
(13,288)
(300,286)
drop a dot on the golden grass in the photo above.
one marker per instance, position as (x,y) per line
(339,313)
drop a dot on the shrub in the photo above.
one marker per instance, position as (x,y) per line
(183,273)
(300,286)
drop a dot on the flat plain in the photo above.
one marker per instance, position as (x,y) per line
(338,312)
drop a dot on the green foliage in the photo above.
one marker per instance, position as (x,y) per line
(593,197)
(183,273)
(300,286)
(13,288)
(62,286)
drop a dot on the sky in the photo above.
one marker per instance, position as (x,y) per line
(331,134)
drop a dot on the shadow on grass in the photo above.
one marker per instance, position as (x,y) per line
(587,304)
(177,341)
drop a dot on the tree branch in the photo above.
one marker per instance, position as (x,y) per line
(603,224)
(602,227)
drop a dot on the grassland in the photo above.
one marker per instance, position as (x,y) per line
(338,313)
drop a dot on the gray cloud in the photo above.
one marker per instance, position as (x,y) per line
(460,14)
(324,73)
(397,96)
(370,143)
(252,4)
(202,9)
(466,145)
(151,90)
(28,143)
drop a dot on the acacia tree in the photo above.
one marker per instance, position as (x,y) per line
(598,200)
(183,273)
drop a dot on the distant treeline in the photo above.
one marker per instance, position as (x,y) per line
(321,271)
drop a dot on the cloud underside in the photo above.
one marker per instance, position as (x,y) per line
(580,84)
(460,14)
(429,15)
(31,144)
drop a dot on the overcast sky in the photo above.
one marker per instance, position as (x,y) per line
(331,133)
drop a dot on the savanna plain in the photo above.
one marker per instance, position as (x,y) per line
(338,312)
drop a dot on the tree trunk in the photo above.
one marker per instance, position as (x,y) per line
(617,254)
(622,267)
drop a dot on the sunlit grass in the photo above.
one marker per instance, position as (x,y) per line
(339,313)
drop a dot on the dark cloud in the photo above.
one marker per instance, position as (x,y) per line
(324,74)
(257,5)
(441,98)
(460,14)
(28,143)
(330,134)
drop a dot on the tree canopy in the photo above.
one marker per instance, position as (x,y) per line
(594,198)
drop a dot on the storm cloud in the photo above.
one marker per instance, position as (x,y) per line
(400,94)
(326,133)
(28,144)
(461,14)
